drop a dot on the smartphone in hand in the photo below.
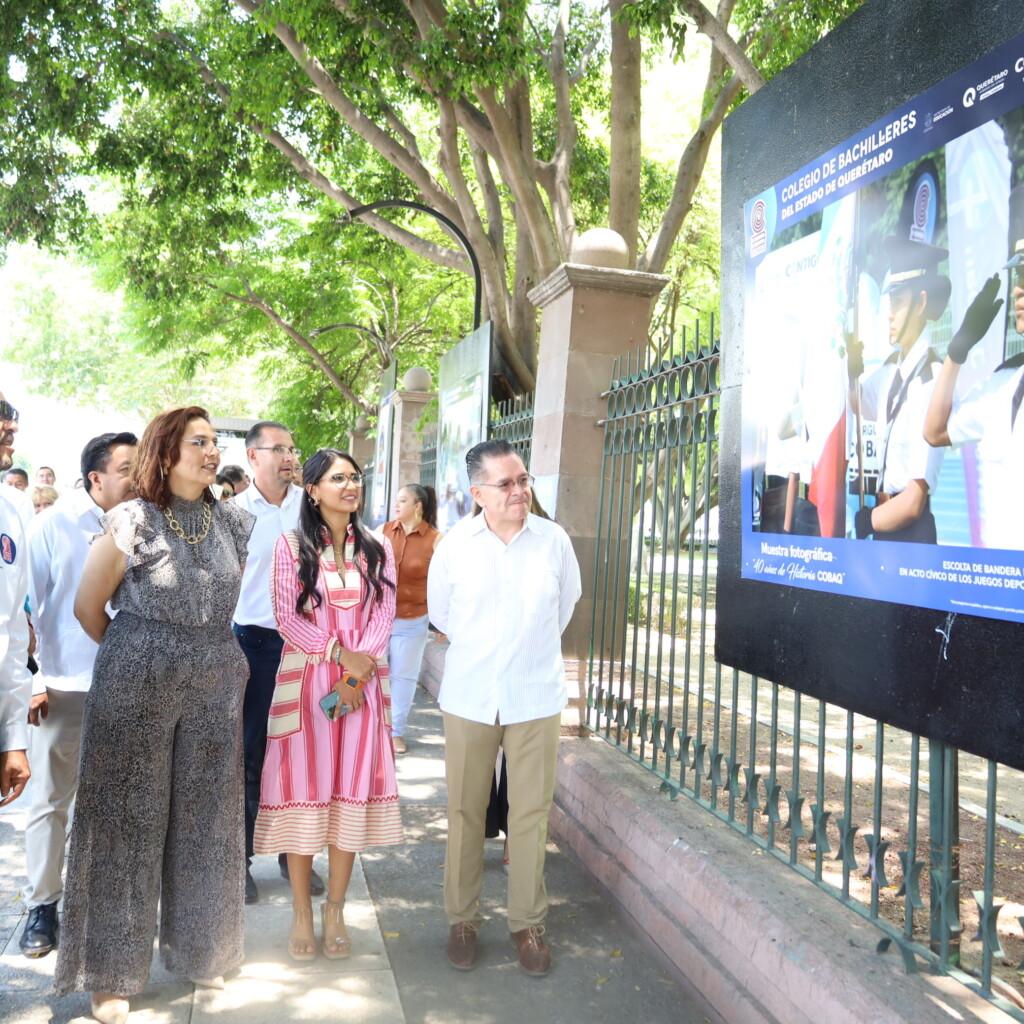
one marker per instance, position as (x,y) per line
(331,705)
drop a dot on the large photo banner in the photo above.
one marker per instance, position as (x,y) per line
(464,400)
(882,438)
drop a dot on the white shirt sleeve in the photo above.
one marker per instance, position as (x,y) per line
(438,587)
(40,557)
(571,586)
(15,679)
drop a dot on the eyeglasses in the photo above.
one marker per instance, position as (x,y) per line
(346,478)
(203,443)
(279,450)
(524,483)
(8,414)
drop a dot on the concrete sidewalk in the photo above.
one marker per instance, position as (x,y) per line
(603,970)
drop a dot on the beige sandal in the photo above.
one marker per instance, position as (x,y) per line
(302,941)
(336,941)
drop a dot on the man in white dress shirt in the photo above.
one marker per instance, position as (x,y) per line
(15,681)
(502,586)
(58,544)
(275,501)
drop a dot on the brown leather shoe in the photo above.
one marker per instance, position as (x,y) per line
(462,946)
(534,952)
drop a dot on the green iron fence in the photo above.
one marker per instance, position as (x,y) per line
(913,834)
(512,421)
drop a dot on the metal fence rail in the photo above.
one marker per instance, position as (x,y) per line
(913,834)
(512,421)
(428,461)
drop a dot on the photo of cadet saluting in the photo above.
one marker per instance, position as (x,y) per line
(990,413)
(896,396)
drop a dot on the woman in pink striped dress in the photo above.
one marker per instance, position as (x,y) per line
(329,781)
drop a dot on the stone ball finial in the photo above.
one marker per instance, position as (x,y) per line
(416,379)
(600,247)
(362,425)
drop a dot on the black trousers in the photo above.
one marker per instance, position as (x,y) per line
(262,649)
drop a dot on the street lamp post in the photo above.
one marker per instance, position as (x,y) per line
(408,204)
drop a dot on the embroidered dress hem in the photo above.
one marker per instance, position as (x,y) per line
(345,825)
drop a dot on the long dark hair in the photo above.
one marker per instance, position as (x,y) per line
(427,497)
(311,535)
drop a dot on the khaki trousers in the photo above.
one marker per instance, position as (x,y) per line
(470,751)
(55,745)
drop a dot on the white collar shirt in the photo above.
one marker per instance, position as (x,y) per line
(15,680)
(984,416)
(905,455)
(254,607)
(22,502)
(58,545)
(504,608)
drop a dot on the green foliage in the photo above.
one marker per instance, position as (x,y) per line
(72,340)
(211,227)
(784,31)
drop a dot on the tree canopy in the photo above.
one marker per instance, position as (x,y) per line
(240,133)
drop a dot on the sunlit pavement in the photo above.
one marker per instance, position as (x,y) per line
(603,970)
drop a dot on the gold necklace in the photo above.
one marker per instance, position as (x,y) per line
(194,538)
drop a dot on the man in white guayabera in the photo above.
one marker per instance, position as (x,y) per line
(502,585)
(58,542)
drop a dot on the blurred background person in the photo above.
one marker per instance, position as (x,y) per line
(58,544)
(17,478)
(43,497)
(223,490)
(236,476)
(46,476)
(158,814)
(414,536)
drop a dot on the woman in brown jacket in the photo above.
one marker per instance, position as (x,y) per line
(413,534)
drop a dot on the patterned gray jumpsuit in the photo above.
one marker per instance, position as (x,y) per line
(159,808)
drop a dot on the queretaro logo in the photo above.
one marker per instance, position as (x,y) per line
(1019,66)
(922,200)
(970,95)
(758,234)
(8,549)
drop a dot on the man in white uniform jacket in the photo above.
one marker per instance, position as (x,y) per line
(15,681)
(58,544)
(990,414)
(502,586)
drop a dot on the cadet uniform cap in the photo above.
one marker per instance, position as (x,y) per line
(915,265)
(911,262)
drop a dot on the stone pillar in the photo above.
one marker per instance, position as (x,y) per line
(409,404)
(592,311)
(360,447)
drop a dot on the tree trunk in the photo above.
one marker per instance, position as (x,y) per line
(624,207)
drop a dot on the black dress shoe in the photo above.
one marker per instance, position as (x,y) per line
(252,894)
(316,883)
(41,930)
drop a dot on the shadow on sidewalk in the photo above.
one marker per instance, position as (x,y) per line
(603,972)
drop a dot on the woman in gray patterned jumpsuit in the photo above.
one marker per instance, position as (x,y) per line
(159,808)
